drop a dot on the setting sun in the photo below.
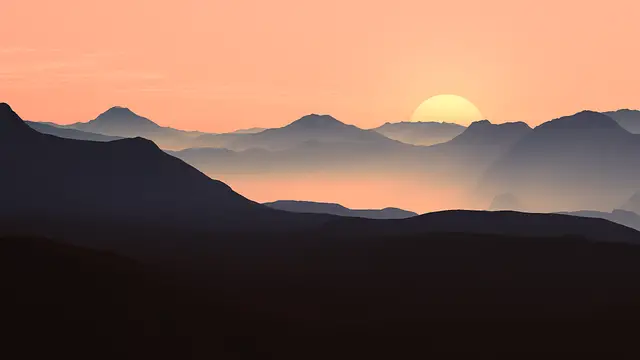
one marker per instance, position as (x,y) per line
(447,108)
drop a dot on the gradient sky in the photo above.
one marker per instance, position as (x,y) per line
(218,65)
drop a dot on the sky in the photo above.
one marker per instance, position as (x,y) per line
(216,66)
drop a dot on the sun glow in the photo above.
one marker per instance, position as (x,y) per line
(447,108)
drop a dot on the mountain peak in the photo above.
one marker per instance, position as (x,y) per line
(314,121)
(10,123)
(484,131)
(583,120)
(480,123)
(123,115)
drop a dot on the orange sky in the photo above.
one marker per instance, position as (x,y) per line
(219,65)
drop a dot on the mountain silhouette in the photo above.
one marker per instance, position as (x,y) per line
(484,132)
(69,133)
(122,181)
(508,223)
(628,119)
(583,161)
(420,133)
(122,122)
(337,209)
(319,128)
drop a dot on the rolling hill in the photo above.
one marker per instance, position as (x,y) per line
(337,209)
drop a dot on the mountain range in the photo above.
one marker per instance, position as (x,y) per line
(133,181)
(578,162)
(583,161)
(123,181)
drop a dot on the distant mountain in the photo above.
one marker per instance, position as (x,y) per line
(622,217)
(122,122)
(633,204)
(48,128)
(310,128)
(484,132)
(628,119)
(253,130)
(128,181)
(583,161)
(337,209)
(420,133)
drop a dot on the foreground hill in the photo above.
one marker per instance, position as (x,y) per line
(337,209)
(420,133)
(623,217)
(377,296)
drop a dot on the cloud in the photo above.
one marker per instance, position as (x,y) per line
(16,50)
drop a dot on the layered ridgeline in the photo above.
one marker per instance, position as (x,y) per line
(49,181)
(128,181)
(310,128)
(578,162)
(628,119)
(69,133)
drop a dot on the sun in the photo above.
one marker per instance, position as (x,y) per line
(447,108)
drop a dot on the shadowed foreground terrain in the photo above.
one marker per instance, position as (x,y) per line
(389,296)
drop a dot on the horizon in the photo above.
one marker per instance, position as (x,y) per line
(218,66)
(321,114)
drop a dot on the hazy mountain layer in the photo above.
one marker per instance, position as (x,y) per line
(420,133)
(584,161)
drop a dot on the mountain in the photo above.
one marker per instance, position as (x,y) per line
(310,128)
(47,128)
(122,122)
(628,119)
(622,217)
(633,204)
(484,132)
(129,181)
(420,133)
(337,209)
(583,161)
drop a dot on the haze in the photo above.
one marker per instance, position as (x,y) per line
(223,65)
